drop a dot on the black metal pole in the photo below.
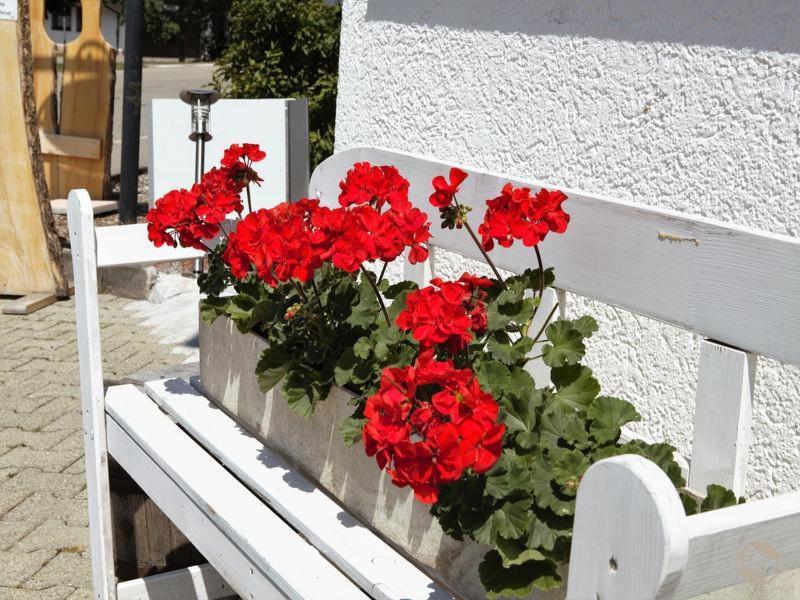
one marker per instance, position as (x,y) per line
(131,110)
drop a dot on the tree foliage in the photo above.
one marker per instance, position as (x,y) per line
(285,49)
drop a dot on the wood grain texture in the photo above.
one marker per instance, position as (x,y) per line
(708,277)
(81,230)
(87,97)
(200,582)
(348,544)
(69,145)
(228,508)
(44,85)
(29,249)
(25,305)
(722,418)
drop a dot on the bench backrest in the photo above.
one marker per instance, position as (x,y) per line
(631,538)
(93,248)
(738,288)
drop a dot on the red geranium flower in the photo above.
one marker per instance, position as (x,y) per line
(446,312)
(515,214)
(427,444)
(444,191)
(237,162)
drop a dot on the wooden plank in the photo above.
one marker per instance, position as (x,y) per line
(552,297)
(99,207)
(291,564)
(26,305)
(87,98)
(201,582)
(120,245)
(69,145)
(29,250)
(709,277)
(244,575)
(81,231)
(351,546)
(722,417)
(745,543)
(629,539)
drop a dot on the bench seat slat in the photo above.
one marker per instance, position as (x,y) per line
(215,511)
(362,555)
(200,582)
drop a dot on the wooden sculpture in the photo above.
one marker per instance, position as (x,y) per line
(30,253)
(76,138)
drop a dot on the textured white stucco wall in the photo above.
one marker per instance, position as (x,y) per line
(693,106)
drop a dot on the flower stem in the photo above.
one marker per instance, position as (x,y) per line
(480,246)
(546,322)
(383,271)
(299,290)
(541,271)
(319,299)
(249,202)
(377,295)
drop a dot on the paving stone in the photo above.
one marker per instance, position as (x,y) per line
(70,421)
(17,399)
(41,506)
(61,485)
(54,535)
(13,531)
(37,440)
(18,567)
(51,593)
(66,568)
(46,460)
(34,421)
(81,594)
(10,499)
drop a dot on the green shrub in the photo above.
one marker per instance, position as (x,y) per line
(284,49)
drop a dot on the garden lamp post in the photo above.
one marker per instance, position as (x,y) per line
(200,100)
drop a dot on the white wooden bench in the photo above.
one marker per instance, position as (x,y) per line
(267,531)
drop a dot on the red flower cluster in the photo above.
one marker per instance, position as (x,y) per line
(427,438)
(190,216)
(277,241)
(446,312)
(515,214)
(238,164)
(369,184)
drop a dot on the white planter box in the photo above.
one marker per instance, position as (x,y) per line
(227,364)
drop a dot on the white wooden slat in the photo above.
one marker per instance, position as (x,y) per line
(200,582)
(711,278)
(745,543)
(538,370)
(628,537)
(293,565)
(358,552)
(81,230)
(120,245)
(722,417)
(243,574)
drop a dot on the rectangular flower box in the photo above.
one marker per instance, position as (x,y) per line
(227,364)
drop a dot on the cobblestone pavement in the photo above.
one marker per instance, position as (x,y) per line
(44,535)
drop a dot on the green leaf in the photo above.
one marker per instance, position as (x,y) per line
(494,377)
(517,580)
(568,470)
(366,310)
(362,347)
(509,521)
(516,552)
(350,428)
(343,371)
(510,474)
(303,388)
(690,504)
(545,535)
(211,308)
(404,286)
(546,496)
(506,352)
(576,386)
(240,309)
(661,454)
(717,496)
(271,367)
(510,306)
(608,415)
(586,325)
(565,347)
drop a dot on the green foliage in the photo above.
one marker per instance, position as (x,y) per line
(285,49)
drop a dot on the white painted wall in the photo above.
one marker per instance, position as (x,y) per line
(690,105)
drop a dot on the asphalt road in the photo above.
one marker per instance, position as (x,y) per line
(158,81)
